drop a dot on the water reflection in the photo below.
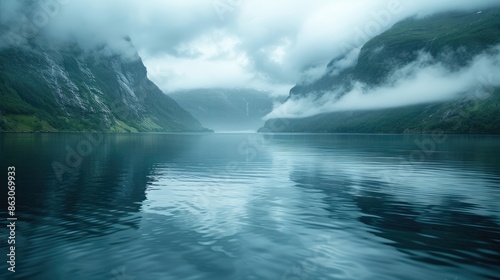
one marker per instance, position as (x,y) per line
(443,215)
(248,207)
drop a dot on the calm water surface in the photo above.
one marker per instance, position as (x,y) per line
(249,206)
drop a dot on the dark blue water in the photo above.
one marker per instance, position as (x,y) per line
(249,206)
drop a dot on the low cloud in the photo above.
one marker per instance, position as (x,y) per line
(259,44)
(423,81)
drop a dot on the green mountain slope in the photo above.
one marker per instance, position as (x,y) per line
(452,39)
(62,88)
(465,116)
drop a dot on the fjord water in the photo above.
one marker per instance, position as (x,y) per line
(252,206)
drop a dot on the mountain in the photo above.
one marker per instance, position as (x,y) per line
(46,86)
(451,39)
(226,109)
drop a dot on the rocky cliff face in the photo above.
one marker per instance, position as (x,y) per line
(49,87)
(450,40)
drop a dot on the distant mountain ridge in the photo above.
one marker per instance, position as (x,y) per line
(227,109)
(44,87)
(452,39)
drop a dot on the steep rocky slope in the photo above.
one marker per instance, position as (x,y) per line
(53,87)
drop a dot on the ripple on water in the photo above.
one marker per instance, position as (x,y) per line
(305,207)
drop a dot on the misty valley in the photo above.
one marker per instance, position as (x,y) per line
(322,139)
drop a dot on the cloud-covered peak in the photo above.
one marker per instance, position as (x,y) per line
(267,45)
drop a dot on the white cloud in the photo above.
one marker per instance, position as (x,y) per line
(176,73)
(257,43)
(419,82)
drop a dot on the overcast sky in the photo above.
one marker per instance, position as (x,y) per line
(261,44)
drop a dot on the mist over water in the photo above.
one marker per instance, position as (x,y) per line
(248,206)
